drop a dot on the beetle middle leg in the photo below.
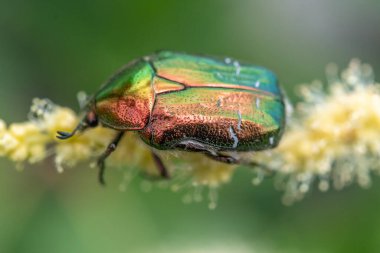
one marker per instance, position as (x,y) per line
(102,158)
(160,165)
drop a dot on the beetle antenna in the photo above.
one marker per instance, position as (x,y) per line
(65,135)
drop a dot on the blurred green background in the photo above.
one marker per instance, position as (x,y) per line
(56,48)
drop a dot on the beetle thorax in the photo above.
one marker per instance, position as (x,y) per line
(126,102)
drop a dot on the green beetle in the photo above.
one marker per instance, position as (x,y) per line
(177,101)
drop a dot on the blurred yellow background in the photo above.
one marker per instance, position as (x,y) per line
(56,48)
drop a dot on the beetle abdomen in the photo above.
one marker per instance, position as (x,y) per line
(220,105)
(225,119)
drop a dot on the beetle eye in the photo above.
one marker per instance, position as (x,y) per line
(92,119)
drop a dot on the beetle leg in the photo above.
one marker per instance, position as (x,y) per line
(232,160)
(222,158)
(101,160)
(160,165)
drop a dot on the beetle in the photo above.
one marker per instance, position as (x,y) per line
(178,101)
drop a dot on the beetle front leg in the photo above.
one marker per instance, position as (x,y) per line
(101,160)
(160,165)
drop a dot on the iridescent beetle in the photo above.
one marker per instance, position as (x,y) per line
(177,101)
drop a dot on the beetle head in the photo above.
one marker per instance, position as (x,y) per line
(89,120)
